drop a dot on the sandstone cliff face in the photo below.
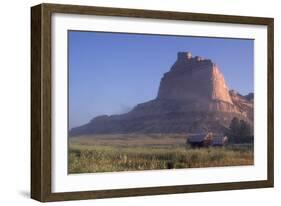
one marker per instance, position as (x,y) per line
(245,104)
(192,97)
(193,79)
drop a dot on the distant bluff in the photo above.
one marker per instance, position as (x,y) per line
(195,79)
(192,97)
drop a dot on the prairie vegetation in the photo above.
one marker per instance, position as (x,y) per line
(131,152)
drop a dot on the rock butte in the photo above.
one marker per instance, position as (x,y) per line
(193,97)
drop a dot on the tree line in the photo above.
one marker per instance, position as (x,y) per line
(240,131)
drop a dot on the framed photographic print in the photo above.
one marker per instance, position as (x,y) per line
(130,102)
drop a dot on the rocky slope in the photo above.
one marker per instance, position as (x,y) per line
(193,97)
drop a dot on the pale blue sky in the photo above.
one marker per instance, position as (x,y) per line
(109,73)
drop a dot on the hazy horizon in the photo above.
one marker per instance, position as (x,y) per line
(110,73)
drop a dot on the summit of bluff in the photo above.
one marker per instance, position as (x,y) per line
(192,97)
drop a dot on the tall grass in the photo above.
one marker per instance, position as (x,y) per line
(85,158)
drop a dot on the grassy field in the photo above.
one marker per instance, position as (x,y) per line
(131,152)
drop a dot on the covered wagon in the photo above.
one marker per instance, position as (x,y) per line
(200,140)
(219,141)
(207,140)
